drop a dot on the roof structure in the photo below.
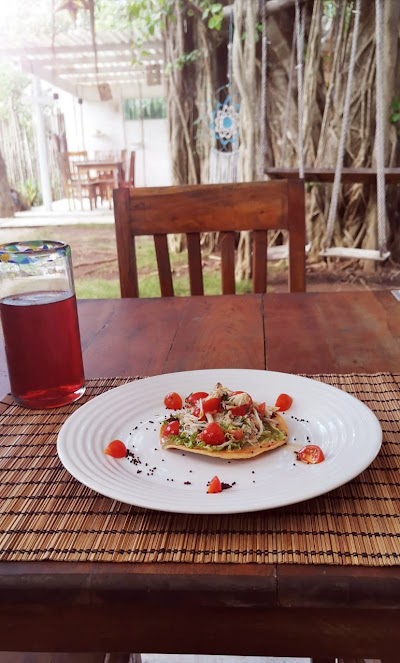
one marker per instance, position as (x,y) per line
(74,65)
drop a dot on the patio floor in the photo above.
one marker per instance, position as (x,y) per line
(60,215)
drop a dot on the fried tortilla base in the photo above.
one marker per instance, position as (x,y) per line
(247,451)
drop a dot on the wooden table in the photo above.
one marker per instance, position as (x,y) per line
(291,610)
(101,167)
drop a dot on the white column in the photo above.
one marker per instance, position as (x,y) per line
(42,145)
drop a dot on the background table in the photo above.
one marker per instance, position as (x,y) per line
(100,167)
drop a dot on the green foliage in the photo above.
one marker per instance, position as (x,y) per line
(184,59)
(148,16)
(13,83)
(31,194)
(213,13)
(394,117)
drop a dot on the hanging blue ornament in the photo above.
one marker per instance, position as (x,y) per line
(225,122)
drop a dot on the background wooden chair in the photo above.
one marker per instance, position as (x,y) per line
(130,181)
(74,186)
(223,208)
(106,179)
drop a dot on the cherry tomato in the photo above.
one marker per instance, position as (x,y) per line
(283,402)
(211,405)
(116,449)
(311,454)
(212,434)
(194,398)
(172,428)
(214,486)
(173,401)
(197,413)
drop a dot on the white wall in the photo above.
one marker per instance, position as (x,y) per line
(99,126)
(153,162)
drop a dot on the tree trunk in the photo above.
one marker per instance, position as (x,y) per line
(6,201)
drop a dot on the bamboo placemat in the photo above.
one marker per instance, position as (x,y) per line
(45,514)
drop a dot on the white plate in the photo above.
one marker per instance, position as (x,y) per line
(346,429)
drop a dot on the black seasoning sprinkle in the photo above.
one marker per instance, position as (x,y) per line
(225,486)
(187,483)
(151,422)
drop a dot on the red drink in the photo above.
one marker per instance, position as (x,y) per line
(43,349)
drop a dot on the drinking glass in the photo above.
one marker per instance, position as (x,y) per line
(40,323)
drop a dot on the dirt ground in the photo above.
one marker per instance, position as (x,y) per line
(94,256)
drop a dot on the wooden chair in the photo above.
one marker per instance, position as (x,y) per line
(131,174)
(223,208)
(74,187)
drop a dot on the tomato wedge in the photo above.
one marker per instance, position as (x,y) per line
(311,454)
(172,428)
(240,410)
(283,402)
(194,398)
(212,434)
(173,401)
(211,405)
(116,449)
(260,407)
(214,486)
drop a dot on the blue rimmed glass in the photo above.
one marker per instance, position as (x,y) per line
(40,323)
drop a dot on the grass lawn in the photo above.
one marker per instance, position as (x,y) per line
(95,265)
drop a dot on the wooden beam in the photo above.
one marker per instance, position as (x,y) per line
(327,175)
(29,51)
(47,75)
(271,6)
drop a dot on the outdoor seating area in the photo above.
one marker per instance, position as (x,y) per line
(200,331)
(94,178)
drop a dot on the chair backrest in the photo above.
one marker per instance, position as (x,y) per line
(223,208)
(131,174)
(65,171)
(73,159)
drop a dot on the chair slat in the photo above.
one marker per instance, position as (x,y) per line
(297,236)
(164,265)
(195,265)
(227,248)
(260,238)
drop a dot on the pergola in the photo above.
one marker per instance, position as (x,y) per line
(90,71)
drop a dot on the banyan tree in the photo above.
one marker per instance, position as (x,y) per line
(285,65)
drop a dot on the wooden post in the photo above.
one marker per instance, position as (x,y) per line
(42,145)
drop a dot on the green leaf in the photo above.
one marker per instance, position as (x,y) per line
(215,22)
